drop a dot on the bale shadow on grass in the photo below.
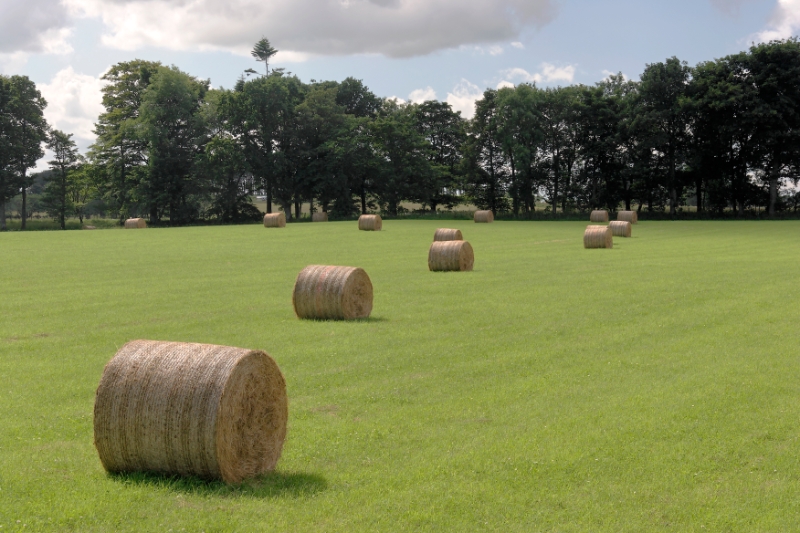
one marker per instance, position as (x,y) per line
(268,486)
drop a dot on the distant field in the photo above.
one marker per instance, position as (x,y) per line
(651,387)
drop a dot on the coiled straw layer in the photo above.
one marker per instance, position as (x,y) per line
(216,412)
(332,292)
(483,216)
(450,255)
(620,228)
(370,223)
(447,234)
(319,216)
(135,223)
(598,237)
(599,215)
(275,220)
(628,216)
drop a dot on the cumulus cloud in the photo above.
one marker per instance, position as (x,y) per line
(503,84)
(784,24)
(395,28)
(422,95)
(74,102)
(463,98)
(517,44)
(12,63)
(547,73)
(33,26)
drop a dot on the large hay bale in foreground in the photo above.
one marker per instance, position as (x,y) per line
(332,292)
(319,216)
(370,223)
(216,412)
(628,216)
(447,234)
(598,237)
(599,215)
(450,255)
(483,216)
(275,220)
(620,228)
(135,223)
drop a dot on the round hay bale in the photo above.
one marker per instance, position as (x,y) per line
(319,216)
(628,216)
(620,228)
(447,234)
(216,412)
(275,220)
(135,223)
(450,255)
(598,237)
(484,216)
(332,292)
(599,215)
(370,223)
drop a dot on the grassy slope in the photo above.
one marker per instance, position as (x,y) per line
(650,387)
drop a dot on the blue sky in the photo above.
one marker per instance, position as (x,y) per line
(411,49)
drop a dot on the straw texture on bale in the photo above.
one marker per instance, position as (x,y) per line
(370,222)
(598,237)
(447,234)
(450,255)
(620,228)
(484,216)
(628,216)
(215,412)
(135,223)
(319,216)
(275,220)
(332,292)
(599,215)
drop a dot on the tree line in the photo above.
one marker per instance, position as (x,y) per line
(721,136)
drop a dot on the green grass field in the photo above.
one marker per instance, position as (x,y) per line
(651,387)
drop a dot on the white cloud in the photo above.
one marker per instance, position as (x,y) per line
(463,98)
(503,84)
(33,26)
(495,50)
(74,102)
(517,44)
(395,28)
(396,99)
(547,73)
(12,63)
(784,24)
(607,74)
(422,95)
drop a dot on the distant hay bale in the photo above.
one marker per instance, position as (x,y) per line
(447,234)
(319,216)
(135,223)
(215,412)
(275,220)
(620,228)
(332,292)
(628,216)
(450,255)
(598,237)
(370,223)
(90,227)
(599,215)
(484,216)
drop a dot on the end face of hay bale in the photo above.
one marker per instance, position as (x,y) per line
(319,216)
(370,223)
(447,234)
(599,215)
(135,223)
(628,216)
(484,216)
(598,237)
(450,256)
(275,220)
(216,412)
(620,228)
(332,293)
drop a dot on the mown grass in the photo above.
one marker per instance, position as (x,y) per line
(650,387)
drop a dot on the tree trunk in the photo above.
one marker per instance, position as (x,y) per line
(3,215)
(698,188)
(363,201)
(555,184)
(673,194)
(269,196)
(773,189)
(63,213)
(24,206)
(297,208)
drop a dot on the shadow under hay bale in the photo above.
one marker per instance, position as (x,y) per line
(332,293)
(598,237)
(450,256)
(215,412)
(599,215)
(135,223)
(275,220)
(319,216)
(628,216)
(483,216)
(370,223)
(620,228)
(447,234)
